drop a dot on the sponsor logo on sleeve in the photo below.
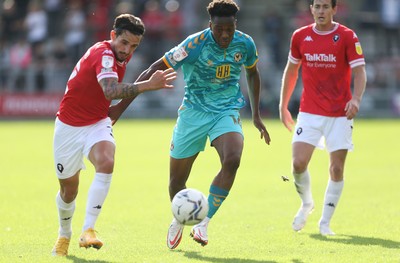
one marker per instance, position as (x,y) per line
(179,54)
(358,48)
(107,61)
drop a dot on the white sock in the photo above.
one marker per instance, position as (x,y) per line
(65,213)
(332,196)
(97,194)
(302,182)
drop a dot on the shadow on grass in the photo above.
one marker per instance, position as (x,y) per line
(196,255)
(81,260)
(359,240)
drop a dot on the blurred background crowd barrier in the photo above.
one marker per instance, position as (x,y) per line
(41,41)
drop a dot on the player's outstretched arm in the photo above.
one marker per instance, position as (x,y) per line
(160,79)
(116,110)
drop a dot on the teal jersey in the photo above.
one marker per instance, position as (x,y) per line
(212,73)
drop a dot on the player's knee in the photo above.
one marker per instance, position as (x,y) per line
(231,162)
(68,194)
(299,165)
(336,172)
(105,165)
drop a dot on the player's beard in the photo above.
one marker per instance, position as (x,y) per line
(122,57)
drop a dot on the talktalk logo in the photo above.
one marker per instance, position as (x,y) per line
(320,57)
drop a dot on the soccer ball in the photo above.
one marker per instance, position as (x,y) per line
(189,206)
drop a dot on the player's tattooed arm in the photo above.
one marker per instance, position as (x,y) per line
(114,90)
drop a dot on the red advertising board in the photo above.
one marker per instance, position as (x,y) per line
(29,105)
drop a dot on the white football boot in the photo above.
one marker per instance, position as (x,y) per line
(325,230)
(174,235)
(199,232)
(300,219)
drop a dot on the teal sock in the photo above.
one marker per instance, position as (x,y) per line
(215,198)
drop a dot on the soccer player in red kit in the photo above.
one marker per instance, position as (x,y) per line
(328,53)
(83,128)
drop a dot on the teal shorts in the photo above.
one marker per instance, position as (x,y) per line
(194,127)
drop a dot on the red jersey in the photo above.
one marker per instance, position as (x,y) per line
(84,102)
(327,59)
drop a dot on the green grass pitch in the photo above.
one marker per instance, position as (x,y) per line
(252,226)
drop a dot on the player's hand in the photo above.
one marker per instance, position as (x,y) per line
(286,118)
(162,79)
(263,131)
(352,108)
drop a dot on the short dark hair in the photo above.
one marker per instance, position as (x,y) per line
(333,3)
(128,22)
(222,8)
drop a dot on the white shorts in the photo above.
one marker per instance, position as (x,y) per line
(71,144)
(333,132)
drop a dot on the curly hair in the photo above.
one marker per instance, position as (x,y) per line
(128,22)
(222,8)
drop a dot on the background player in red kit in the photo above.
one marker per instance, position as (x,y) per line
(328,53)
(83,128)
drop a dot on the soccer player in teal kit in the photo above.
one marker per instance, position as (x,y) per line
(211,62)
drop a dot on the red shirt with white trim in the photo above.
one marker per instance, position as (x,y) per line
(84,102)
(327,58)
